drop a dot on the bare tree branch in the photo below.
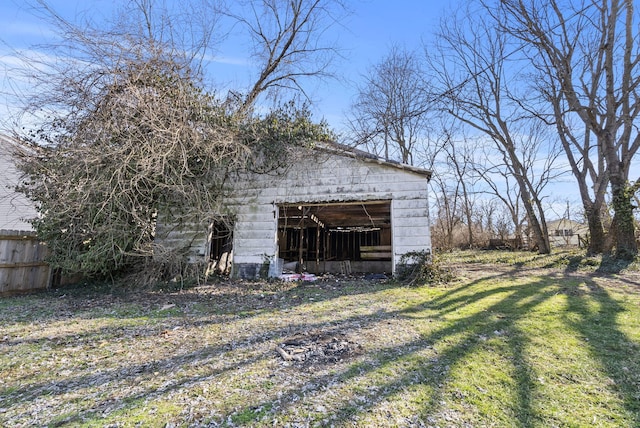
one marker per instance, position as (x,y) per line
(470,64)
(291,42)
(390,114)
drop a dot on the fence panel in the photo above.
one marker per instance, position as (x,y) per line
(22,265)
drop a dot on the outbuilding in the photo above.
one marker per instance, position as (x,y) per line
(335,209)
(15,209)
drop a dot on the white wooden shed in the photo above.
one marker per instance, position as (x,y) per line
(333,210)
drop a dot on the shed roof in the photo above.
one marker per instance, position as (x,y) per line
(345,150)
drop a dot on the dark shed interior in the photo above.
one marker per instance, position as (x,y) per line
(341,237)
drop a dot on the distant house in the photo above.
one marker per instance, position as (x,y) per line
(334,210)
(15,208)
(566,233)
(22,265)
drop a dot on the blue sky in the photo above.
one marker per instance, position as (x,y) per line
(364,38)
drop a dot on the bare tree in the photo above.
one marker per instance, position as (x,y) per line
(459,161)
(539,164)
(589,58)
(484,216)
(447,199)
(453,186)
(500,187)
(389,116)
(290,42)
(587,165)
(471,64)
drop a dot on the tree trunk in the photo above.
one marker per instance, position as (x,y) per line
(536,226)
(623,227)
(528,196)
(597,236)
(470,231)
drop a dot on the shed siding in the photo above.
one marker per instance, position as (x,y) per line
(410,222)
(330,179)
(320,178)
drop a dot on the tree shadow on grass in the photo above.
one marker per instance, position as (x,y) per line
(616,352)
(140,372)
(426,362)
(146,309)
(124,374)
(389,373)
(495,320)
(222,299)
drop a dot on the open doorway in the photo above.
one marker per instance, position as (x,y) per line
(341,237)
(220,247)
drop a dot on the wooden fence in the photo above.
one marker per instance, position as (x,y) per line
(22,265)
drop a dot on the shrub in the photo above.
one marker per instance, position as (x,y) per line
(421,267)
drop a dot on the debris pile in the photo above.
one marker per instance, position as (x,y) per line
(289,277)
(318,347)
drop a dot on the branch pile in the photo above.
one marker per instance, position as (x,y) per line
(318,348)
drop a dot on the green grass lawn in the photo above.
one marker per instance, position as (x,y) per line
(515,343)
